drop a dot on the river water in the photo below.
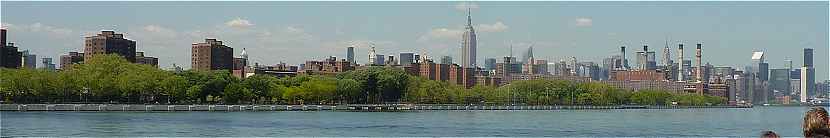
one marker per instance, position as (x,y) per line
(747,122)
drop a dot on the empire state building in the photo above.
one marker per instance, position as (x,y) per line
(468,44)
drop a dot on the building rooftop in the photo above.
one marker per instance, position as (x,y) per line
(758,55)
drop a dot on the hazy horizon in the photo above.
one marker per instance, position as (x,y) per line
(294,32)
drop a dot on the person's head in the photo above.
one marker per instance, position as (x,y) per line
(815,120)
(769,134)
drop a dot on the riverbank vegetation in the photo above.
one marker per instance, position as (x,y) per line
(111,79)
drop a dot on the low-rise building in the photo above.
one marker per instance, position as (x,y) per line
(141,59)
(70,59)
(637,75)
(329,66)
(676,87)
(278,70)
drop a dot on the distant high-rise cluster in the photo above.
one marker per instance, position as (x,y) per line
(752,83)
(106,42)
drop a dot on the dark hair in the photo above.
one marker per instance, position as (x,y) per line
(820,133)
(815,123)
(769,134)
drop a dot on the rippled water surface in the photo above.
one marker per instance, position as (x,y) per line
(785,121)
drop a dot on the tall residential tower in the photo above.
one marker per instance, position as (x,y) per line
(109,42)
(211,55)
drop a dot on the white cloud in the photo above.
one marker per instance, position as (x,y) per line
(290,34)
(157,30)
(160,41)
(4,25)
(442,34)
(51,31)
(38,27)
(584,22)
(465,5)
(496,27)
(239,23)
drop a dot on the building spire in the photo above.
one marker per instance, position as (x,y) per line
(469,19)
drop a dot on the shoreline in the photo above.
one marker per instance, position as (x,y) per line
(349,107)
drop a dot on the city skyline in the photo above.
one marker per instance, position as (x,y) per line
(746,27)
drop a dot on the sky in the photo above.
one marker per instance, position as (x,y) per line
(293,32)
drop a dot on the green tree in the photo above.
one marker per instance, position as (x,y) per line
(194,93)
(98,76)
(260,86)
(236,93)
(349,91)
(651,97)
(293,95)
(175,87)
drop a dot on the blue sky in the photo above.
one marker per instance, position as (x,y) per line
(293,32)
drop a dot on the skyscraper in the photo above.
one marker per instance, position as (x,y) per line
(109,42)
(244,55)
(373,56)
(804,85)
(808,57)
(406,58)
(652,60)
(29,60)
(666,56)
(468,44)
(446,60)
(699,63)
(390,60)
(48,64)
(681,74)
(379,59)
(807,76)
(624,61)
(350,54)
(760,66)
(759,73)
(779,81)
(528,56)
(490,64)
(211,55)
(573,66)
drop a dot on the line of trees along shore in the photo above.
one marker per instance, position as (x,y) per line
(111,79)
